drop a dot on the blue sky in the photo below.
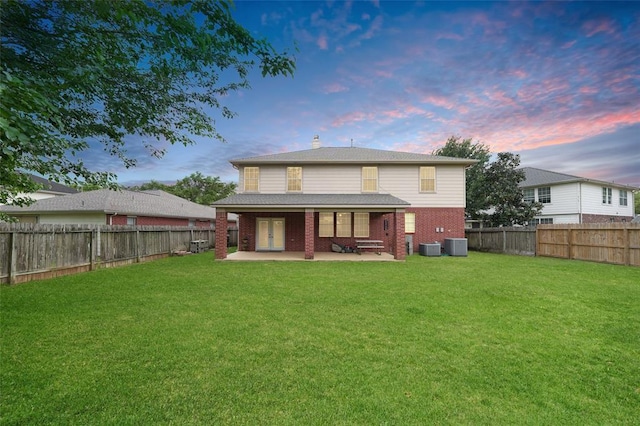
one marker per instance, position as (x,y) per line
(556,82)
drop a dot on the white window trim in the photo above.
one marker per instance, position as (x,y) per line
(370,179)
(244,179)
(429,191)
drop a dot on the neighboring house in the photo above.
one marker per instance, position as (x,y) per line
(122,207)
(305,200)
(572,199)
(48,189)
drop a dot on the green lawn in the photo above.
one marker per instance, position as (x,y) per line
(486,339)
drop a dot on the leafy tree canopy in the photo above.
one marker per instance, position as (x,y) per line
(504,196)
(466,148)
(79,74)
(196,188)
(492,188)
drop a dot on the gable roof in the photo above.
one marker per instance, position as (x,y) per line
(55,187)
(538,177)
(140,203)
(350,155)
(312,200)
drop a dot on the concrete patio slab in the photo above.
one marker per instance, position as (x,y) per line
(320,257)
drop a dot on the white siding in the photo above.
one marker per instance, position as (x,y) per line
(273,179)
(592,201)
(570,200)
(565,199)
(335,179)
(402,181)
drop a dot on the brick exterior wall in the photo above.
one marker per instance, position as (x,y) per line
(400,252)
(381,227)
(309,234)
(450,219)
(221,237)
(598,218)
(155,221)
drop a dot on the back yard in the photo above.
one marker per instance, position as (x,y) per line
(484,339)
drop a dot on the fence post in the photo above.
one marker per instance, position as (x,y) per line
(627,251)
(137,246)
(504,240)
(13,257)
(92,247)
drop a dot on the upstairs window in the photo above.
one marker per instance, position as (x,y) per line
(427,179)
(294,179)
(251,179)
(132,220)
(369,179)
(606,195)
(544,195)
(623,198)
(529,195)
(361,225)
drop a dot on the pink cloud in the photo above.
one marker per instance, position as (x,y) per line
(350,118)
(449,36)
(569,44)
(322,43)
(594,27)
(334,88)
(439,101)
(587,90)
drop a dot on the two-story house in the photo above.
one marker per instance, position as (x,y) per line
(305,200)
(572,199)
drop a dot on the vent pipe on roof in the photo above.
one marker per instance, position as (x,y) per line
(315,144)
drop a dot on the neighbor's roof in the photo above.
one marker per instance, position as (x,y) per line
(381,201)
(140,203)
(537,177)
(350,155)
(49,186)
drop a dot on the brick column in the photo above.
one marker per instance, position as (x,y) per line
(221,234)
(309,234)
(400,249)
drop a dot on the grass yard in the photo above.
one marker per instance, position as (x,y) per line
(486,339)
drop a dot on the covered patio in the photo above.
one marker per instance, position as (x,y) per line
(288,226)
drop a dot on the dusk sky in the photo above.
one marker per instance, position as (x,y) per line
(556,82)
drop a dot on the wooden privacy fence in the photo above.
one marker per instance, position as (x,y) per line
(33,251)
(617,243)
(514,240)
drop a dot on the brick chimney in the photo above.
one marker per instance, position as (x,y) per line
(315,144)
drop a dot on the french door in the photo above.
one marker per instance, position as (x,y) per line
(270,234)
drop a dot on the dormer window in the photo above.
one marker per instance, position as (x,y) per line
(251,179)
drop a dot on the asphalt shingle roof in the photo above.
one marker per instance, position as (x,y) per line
(538,177)
(50,186)
(140,203)
(311,200)
(350,155)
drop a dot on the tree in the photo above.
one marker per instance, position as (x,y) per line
(196,188)
(203,189)
(504,196)
(637,202)
(76,75)
(466,148)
